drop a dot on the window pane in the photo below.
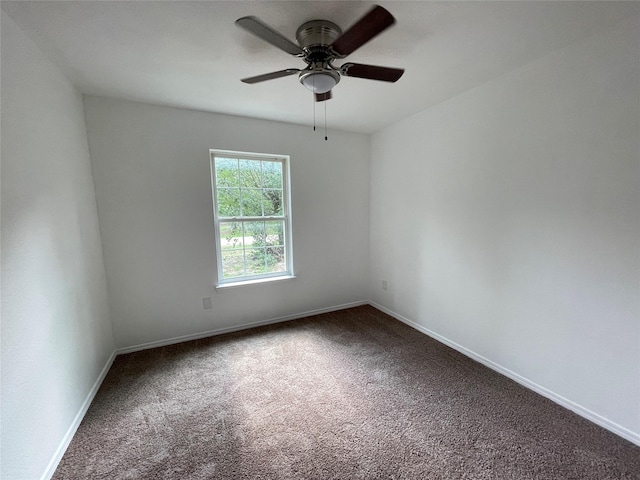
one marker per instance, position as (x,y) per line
(275,259)
(272,175)
(231,235)
(255,258)
(254,234)
(251,202)
(250,175)
(274,233)
(229,202)
(227,172)
(233,263)
(272,202)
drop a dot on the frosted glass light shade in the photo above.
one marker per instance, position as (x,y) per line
(319,82)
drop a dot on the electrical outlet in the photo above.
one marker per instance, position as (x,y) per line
(206,303)
(384,284)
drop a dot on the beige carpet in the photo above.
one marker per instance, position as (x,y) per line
(353,394)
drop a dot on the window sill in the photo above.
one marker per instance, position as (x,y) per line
(224,287)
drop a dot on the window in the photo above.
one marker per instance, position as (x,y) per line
(252,216)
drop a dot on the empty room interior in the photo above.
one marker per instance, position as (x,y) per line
(441,278)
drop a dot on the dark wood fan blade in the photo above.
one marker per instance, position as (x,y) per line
(374,22)
(266,33)
(321,97)
(270,76)
(372,72)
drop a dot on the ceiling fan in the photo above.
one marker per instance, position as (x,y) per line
(320,43)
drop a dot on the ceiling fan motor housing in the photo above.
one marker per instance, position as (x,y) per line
(315,38)
(317,33)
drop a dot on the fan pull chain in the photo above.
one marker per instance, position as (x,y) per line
(314,114)
(325,121)
(313,80)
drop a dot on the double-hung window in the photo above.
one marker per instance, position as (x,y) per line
(252,216)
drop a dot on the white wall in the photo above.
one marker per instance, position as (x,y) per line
(506,220)
(152,176)
(56,330)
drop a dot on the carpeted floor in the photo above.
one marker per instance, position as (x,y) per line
(352,394)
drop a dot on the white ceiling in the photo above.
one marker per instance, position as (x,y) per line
(190,54)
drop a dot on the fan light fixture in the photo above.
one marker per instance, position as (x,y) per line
(319,82)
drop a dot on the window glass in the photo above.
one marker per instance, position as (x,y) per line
(251,216)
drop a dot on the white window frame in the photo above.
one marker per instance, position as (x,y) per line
(221,282)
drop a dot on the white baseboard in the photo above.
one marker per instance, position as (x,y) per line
(619,430)
(66,440)
(236,328)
